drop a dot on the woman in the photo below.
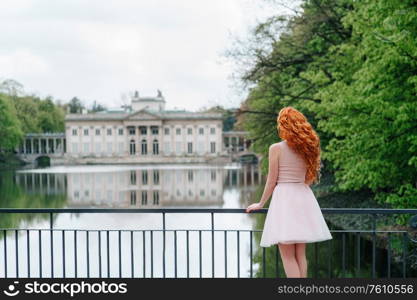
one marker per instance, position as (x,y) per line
(294,217)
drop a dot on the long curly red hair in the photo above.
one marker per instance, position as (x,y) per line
(293,127)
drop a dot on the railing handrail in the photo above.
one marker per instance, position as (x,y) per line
(201,210)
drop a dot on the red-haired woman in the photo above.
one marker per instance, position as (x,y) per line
(294,217)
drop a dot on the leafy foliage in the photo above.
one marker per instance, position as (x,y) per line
(350,66)
(21,114)
(10,132)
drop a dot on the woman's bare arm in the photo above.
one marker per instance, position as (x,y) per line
(271,180)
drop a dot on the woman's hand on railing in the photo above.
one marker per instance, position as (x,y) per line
(254,206)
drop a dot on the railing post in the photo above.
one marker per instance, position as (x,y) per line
(225,253)
(17,252)
(63,254)
(88,252)
(163,244)
(343,254)
(212,244)
(405,243)
(238,252)
(5,252)
(28,251)
(358,248)
(120,253)
(188,253)
(40,252)
(51,242)
(250,253)
(108,253)
(373,244)
(132,258)
(389,255)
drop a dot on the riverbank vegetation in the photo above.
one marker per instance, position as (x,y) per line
(20,114)
(350,67)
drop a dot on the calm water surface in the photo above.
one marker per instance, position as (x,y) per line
(145,186)
(93,249)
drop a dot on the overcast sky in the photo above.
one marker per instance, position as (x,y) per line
(100,49)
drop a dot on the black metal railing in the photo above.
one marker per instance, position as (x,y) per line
(61,252)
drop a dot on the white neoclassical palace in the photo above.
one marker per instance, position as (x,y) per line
(144,131)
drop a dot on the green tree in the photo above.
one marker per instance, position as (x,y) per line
(350,67)
(371,106)
(27,109)
(75,106)
(51,117)
(10,131)
(282,53)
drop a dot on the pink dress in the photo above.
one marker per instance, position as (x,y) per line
(294,215)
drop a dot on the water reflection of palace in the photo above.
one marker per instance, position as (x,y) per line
(144,187)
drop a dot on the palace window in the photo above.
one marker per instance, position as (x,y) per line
(144,176)
(74,132)
(178,131)
(213,147)
(144,147)
(85,131)
(132,130)
(109,131)
(132,147)
(201,130)
(212,130)
(144,197)
(132,177)
(143,130)
(154,130)
(120,131)
(189,131)
(155,147)
(156,176)
(132,197)
(166,131)
(190,147)
(156,197)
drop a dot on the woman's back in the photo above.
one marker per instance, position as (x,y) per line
(291,166)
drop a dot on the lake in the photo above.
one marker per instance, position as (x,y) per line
(141,186)
(87,245)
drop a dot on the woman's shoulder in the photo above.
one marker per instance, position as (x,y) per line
(275,146)
(278,143)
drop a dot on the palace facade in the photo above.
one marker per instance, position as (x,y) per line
(144,131)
